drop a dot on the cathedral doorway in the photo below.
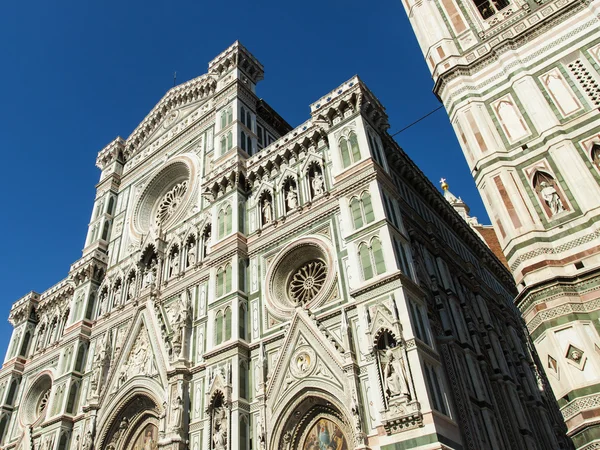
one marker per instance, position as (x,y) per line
(316,423)
(134,427)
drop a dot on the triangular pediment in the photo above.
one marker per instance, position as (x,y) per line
(142,357)
(307,359)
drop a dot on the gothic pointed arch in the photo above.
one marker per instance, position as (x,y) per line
(315,419)
(143,359)
(132,419)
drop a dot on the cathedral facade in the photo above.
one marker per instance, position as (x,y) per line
(520,81)
(246,285)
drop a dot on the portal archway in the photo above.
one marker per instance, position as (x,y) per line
(134,427)
(314,422)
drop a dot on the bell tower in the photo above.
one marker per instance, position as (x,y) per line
(520,80)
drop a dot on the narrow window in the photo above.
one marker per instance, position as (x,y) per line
(378,256)
(356,213)
(220,282)
(219,328)
(227,323)
(365,261)
(345,153)
(354,147)
(368,207)
(228,219)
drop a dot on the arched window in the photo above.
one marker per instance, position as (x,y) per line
(229,115)
(223,118)
(229,141)
(228,276)
(549,194)
(487,8)
(3,427)
(378,256)
(219,328)
(80,361)
(25,345)
(345,153)
(111,205)
(73,397)
(106,230)
(227,316)
(243,140)
(90,307)
(362,210)
(224,220)
(354,147)
(376,149)
(242,267)
(223,145)
(220,281)
(63,443)
(228,219)
(371,258)
(243,380)
(349,150)
(242,321)
(12,393)
(243,434)
(243,115)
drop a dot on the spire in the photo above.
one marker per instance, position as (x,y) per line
(451,198)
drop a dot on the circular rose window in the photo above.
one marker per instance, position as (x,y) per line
(166,196)
(36,400)
(300,275)
(307,281)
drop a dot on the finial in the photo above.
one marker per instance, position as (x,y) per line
(444,184)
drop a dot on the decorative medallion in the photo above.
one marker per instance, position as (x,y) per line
(170,119)
(307,281)
(303,362)
(171,202)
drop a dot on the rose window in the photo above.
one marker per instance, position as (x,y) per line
(43,402)
(307,281)
(170,202)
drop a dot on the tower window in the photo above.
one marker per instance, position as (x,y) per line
(487,8)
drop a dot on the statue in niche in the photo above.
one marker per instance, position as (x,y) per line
(318,184)
(355,413)
(176,412)
(260,432)
(87,440)
(101,360)
(206,244)
(191,254)
(103,303)
(291,198)
(174,264)
(77,444)
(117,294)
(551,198)
(267,212)
(220,428)
(394,375)
(163,419)
(131,289)
(150,275)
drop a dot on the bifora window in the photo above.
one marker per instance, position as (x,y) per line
(487,8)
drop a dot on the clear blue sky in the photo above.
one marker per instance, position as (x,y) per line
(76,74)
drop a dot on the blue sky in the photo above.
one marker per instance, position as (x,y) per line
(77,74)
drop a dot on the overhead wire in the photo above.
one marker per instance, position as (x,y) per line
(417,121)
